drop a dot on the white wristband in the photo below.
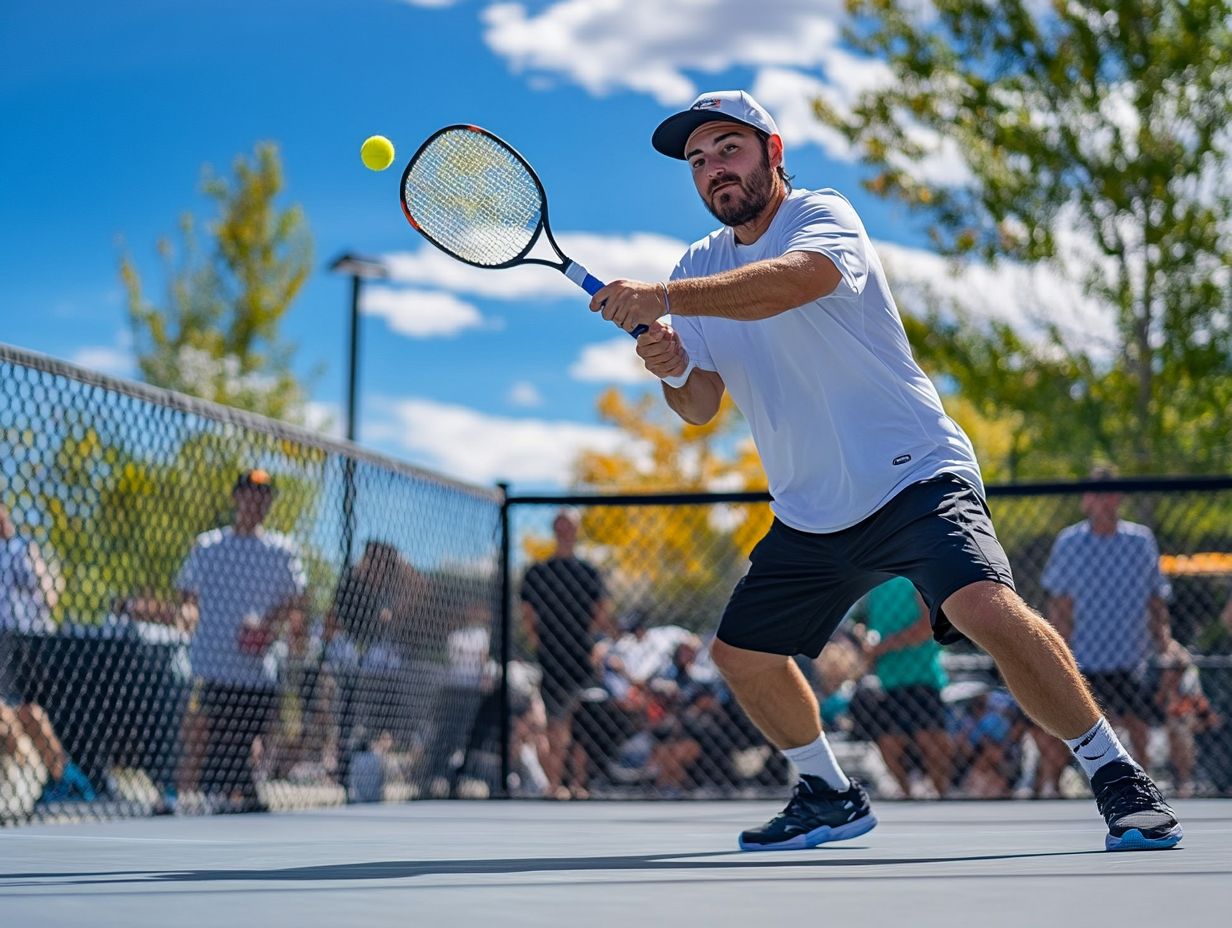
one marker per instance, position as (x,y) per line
(679,380)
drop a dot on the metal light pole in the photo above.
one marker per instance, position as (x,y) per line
(358,269)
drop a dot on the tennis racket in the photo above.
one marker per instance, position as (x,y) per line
(475,198)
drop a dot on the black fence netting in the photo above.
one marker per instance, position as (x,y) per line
(202,610)
(615,601)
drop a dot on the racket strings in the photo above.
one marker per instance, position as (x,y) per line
(473,197)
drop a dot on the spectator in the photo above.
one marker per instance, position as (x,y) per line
(1187,713)
(564,607)
(648,673)
(243,585)
(306,747)
(28,593)
(907,712)
(365,636)
(689,750)
(1107,598)
(988,745)
(457,702)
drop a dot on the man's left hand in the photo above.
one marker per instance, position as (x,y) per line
(630,303)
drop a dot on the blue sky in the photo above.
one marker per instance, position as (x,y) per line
(111,110)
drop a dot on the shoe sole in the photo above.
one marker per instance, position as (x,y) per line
(1135,840)
(822,835)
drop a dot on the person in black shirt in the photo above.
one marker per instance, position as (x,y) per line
(564,605)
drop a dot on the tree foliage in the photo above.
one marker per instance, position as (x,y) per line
(217,334)
(1094,137)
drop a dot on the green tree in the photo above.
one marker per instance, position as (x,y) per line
(1095,132)
(217,336)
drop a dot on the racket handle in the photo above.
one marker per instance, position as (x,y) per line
(592,285)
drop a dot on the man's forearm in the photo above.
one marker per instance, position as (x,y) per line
(698,400)
(756,291)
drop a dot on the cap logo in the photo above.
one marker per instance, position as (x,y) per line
(708,103)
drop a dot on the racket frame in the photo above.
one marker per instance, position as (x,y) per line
(541,228)
(567,266)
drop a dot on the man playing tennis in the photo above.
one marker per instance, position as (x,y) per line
(787,306)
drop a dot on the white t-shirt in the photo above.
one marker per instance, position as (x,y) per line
(842,416)
(236,577)
(1111,579)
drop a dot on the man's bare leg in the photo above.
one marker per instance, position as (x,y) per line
(826,805)
(1039,670)
(1033,658)
(773,693)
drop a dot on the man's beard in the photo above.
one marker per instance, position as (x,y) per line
(757,189)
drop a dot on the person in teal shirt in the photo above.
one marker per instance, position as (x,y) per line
(907,662)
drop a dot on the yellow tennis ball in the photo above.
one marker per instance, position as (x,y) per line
(377,153)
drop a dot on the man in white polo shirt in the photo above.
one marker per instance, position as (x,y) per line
(787,306)
(243,584)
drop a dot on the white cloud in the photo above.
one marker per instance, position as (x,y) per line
(637,256)
(421,313)
(481,448)
(650,46)
(793,46)
(612,361)
(1027,297)
(525,394)
(107,359)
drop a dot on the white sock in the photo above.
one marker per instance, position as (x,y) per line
(1098,747)
(817,760)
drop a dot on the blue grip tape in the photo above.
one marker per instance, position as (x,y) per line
(593,285)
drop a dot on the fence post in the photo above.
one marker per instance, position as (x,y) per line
(505,636)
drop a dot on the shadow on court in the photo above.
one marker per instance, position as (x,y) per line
(404,869)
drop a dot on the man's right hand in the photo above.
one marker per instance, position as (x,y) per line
(660,349)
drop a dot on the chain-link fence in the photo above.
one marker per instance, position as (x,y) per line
(613,604)
(202,610)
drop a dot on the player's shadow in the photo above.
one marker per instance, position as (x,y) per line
(404,869)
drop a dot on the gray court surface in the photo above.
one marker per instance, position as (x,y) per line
(612,864)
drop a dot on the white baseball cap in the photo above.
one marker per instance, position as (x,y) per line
(713,106)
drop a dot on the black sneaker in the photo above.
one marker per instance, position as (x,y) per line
(817,813)
(1137,816)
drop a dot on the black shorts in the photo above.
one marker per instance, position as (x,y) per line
(902,711)
(936,533)
(1123,693)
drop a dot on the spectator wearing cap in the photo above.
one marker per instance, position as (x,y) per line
(245,585)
